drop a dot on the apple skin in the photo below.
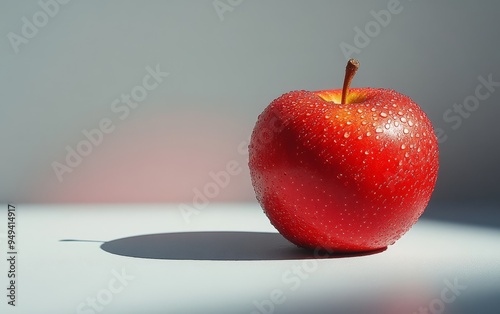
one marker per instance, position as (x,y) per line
(345,177)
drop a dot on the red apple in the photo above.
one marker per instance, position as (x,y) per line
(344,170)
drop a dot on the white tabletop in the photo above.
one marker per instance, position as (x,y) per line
(229,259)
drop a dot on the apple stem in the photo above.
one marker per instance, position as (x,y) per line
(350,70)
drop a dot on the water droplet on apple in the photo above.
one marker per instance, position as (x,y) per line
(368,133)
(346,134)
(403,146)
(400,113)
(373,109)
(403,119)
(387,126)
(379,130)
(405,131)
(383,114)
(359,110)
(367,152)
(348,123)
(410,123)
(407,154)
(360,137)
(418,149)
(396,123)
(327,117)
(364,122)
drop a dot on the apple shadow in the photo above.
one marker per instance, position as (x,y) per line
(216,246)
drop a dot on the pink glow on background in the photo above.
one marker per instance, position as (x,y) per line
(157,158)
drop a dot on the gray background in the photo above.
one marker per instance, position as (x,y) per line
(224,70)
